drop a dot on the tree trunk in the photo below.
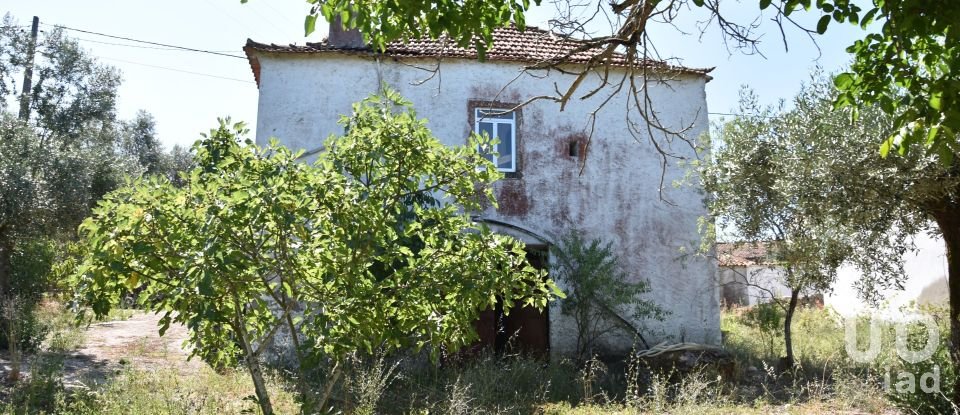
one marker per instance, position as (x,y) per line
(788,361)
(253,365)
(948,220)
(332,377)
(8,315)
(13,344)
(6,268)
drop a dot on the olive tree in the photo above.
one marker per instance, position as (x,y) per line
(371,247)
(804,182)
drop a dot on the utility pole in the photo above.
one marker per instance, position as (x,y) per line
(28,71)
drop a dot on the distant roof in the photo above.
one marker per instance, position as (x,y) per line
(739,254)
(532,45)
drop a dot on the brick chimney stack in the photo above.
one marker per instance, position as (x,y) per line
(341,37)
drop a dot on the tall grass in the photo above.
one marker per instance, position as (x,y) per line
(825,381)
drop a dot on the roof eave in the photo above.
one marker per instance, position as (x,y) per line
(253,48)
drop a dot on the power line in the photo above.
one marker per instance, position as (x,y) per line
(218,9)
(268,20)
(139,46)
(226,78)
(149,42)
(277,12)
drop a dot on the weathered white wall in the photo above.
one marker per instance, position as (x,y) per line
(616,198)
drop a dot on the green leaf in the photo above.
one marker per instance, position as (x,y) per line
(946,156)
(763,4)
(868,18)
(844,80)
(309,24)
(932,135)
(205,287)
(132,280)
(885,146)
(822,24)
(936,100)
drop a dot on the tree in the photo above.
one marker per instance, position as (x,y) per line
(140,142)
(72,92)
(350,254)
(55,166)
(43,195)
(801,179)
(599,289)
(176,162)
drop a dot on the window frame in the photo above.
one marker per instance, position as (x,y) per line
(478,117)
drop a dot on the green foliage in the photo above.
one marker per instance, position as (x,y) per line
(828,383)
(768,320)
(257,240)
(475,386)
(42,391)
(139,141)
(147,391)
(905,390)
(467,23)
(599,289)
(800,177)
(72,150)
(176,163)
(753,335)
(911,69)
(799,181)
(72,92)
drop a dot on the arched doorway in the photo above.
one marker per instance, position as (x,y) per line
(526,329)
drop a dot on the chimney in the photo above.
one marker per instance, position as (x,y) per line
(343,38)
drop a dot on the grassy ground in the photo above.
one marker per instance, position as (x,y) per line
(825,381)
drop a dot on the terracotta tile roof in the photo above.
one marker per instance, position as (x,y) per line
(743,254)
(531,45)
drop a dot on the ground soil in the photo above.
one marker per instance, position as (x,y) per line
(110,346)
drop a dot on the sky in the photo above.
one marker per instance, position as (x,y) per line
(186,91)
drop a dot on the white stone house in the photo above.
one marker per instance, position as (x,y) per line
(747,275)
(619,196)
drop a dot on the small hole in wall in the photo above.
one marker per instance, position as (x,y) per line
(574,149)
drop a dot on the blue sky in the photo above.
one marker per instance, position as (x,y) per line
(186,101)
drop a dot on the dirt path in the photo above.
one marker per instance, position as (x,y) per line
(110,346)
(135,342)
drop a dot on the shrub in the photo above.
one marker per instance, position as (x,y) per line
(923,387)
(598,289)
(767,318)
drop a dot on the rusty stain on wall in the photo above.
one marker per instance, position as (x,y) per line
(512,198)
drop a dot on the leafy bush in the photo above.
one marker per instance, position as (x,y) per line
(598,289)
(31,262)
(43,390)
(922,387)
(767,318)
